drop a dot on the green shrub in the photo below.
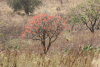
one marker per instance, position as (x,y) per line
(1,34)
(88,47)
(66,50)
(26,5)
(58,8)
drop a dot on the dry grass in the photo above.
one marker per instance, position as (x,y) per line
(51,5)
(86,37)
(13,58)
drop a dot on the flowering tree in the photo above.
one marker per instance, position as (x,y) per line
(42,27)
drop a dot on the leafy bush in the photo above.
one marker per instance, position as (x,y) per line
(26,5)
(66,50)
(89,48)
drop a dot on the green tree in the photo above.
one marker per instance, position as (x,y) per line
(26,5)
(88,13)
(73,17)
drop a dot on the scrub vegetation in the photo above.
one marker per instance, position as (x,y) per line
(49,33)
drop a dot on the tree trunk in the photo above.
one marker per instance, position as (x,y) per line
(27,10)
(92,29)
(48,47)
(43,42)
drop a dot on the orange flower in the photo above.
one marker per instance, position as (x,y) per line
(19,37)
(57,20)
(39,23)
(48,23)
(32,32)
(55,29)
(37,27)
(23,35)
(37,31)
(31,29)
(61,32)
(31,17)
(27,26)
(44,27)
(55,25)
(51,34)
(26,30)
(34,22)
(45,20)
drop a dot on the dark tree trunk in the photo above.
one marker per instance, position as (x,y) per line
(43,42)
(27,10)
(92,29)
(26,7)
(48,47)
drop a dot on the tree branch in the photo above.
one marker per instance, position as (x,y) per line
(54,39)
(37,39)
(86,24)
(94,22)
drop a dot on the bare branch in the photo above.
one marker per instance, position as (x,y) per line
(37,39)
(54,39)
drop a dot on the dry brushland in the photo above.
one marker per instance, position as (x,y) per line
(72,42)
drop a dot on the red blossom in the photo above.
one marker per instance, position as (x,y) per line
(57,20)
(27,26)
(23,35)
(36,27)
(32,32)
(39,23)
(44,27)
(45,20)
(55,29)
(51,34)
(26,30)
(19,37)
(61,32)
(31,22)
